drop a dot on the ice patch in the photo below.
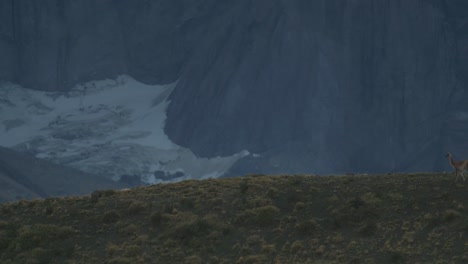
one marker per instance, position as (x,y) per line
(108,127)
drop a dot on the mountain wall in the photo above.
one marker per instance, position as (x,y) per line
(324,86)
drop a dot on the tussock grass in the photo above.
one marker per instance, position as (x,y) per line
(407,218)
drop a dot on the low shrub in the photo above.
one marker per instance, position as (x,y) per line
(187,202)
(110,217)
(101,193)
(194,259)
(136,207)
(450,215)
(266,215)
(308,227)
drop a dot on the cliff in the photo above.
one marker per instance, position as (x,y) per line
(322,86)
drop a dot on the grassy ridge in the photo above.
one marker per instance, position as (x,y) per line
(407,218)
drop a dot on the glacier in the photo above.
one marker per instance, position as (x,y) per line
(112,127)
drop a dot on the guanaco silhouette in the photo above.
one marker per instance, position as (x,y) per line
(460,166)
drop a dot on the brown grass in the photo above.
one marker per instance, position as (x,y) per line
(411,218)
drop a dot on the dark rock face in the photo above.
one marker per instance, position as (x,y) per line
(55,44)
(321,86)
(352,85)
(52,45)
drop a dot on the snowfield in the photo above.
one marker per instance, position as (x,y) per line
(107,127)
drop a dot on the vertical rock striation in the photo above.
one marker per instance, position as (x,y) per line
(325,86)
(321,86)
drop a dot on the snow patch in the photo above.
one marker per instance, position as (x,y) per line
(107,127)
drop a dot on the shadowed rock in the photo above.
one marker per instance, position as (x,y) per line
(323,86)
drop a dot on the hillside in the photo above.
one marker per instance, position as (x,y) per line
(23,176)
(399,218)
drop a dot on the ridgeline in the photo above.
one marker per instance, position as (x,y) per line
(398,218)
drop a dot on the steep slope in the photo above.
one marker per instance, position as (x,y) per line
(23,176)
(409,218)
(335,81)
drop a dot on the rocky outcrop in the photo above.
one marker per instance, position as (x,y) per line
(320,86)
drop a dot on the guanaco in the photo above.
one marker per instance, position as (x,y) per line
(459,166)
